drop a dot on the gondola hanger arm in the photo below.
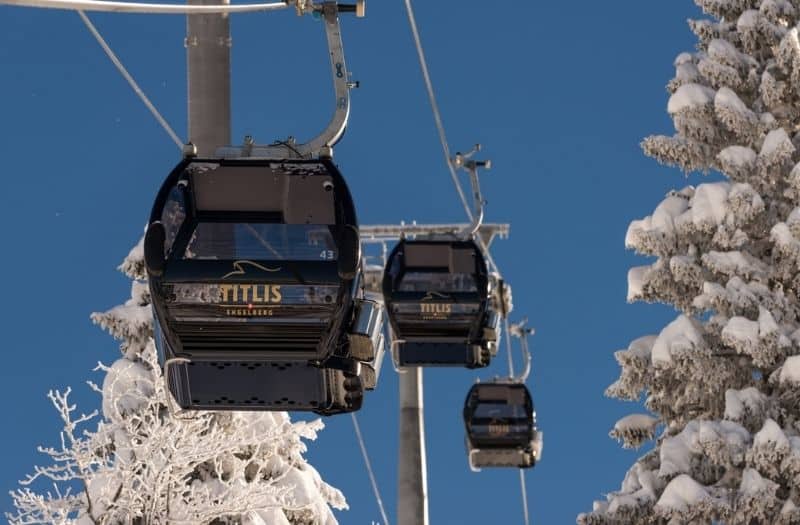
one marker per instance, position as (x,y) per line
(466,162)
(522,332)
(322,144)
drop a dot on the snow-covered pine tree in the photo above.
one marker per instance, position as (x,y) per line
(142,466)
(723,378)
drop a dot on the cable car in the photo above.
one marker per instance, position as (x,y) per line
(254,269)
(501,426)
(438,299)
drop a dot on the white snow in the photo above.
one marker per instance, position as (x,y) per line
(709,203)
(735,263)
(683,335)
(662,220)
(727,263)
(681,493)
(771,433)
(739,157)
(737,402)
(727,98)
(794,216)
(781,235)
(724,52)
(128,385)
(688,96)
(748,20)
(273,516)
(741,332)
(636,421)
(776,142)
(201,467)
(766,323)
(789,507)
(755,485)
(636,282)
(790,371)
(642,346)
(682,58)
(677,452)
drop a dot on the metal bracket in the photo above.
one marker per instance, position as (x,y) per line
(379,233)
(322,144)
(521,332)
(464,161)
(174,410)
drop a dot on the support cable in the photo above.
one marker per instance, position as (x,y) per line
(507,329)
(446,149)
(145,8)
(131,81)
(369,468)
(435,107)
(524,496)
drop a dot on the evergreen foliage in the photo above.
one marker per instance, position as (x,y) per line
(143,465)
(723,378)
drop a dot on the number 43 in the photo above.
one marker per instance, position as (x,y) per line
(326,255)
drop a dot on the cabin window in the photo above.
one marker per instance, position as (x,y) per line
(172,217)
(500,411)
(437,282)
(262,241)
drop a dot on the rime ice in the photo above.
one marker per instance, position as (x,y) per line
(721,380)
(140,464)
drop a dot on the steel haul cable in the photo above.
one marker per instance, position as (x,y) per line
(144,8)
(369,468)
(435,107)
(446,149)
(179,143)
(131,81)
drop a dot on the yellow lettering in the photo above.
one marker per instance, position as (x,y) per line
(436,310)
(256,289)
(225,290)
(499,429)
(248,294)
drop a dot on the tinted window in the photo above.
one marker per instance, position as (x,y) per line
(500,411)
(260,241)
(438,282)
(172,217)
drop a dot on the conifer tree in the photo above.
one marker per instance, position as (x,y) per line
(142,465)
(722,380)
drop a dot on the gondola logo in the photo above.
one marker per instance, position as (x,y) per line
(238,268)
(430,296)
(244,294)
(435,310)
(249,300)
(499,429)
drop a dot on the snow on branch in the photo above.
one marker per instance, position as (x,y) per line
(633,430)
(139,464)
(723,376)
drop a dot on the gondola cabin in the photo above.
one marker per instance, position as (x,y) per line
(438,300)
(501,426)
(254,269)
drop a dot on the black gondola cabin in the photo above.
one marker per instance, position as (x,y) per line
(254,269)
(437,295)
(500,421)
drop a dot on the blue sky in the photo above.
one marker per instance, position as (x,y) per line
(559,95)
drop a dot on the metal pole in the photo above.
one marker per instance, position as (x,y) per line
(208,60)
(412,486)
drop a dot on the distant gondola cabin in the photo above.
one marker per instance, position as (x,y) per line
(437,294)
